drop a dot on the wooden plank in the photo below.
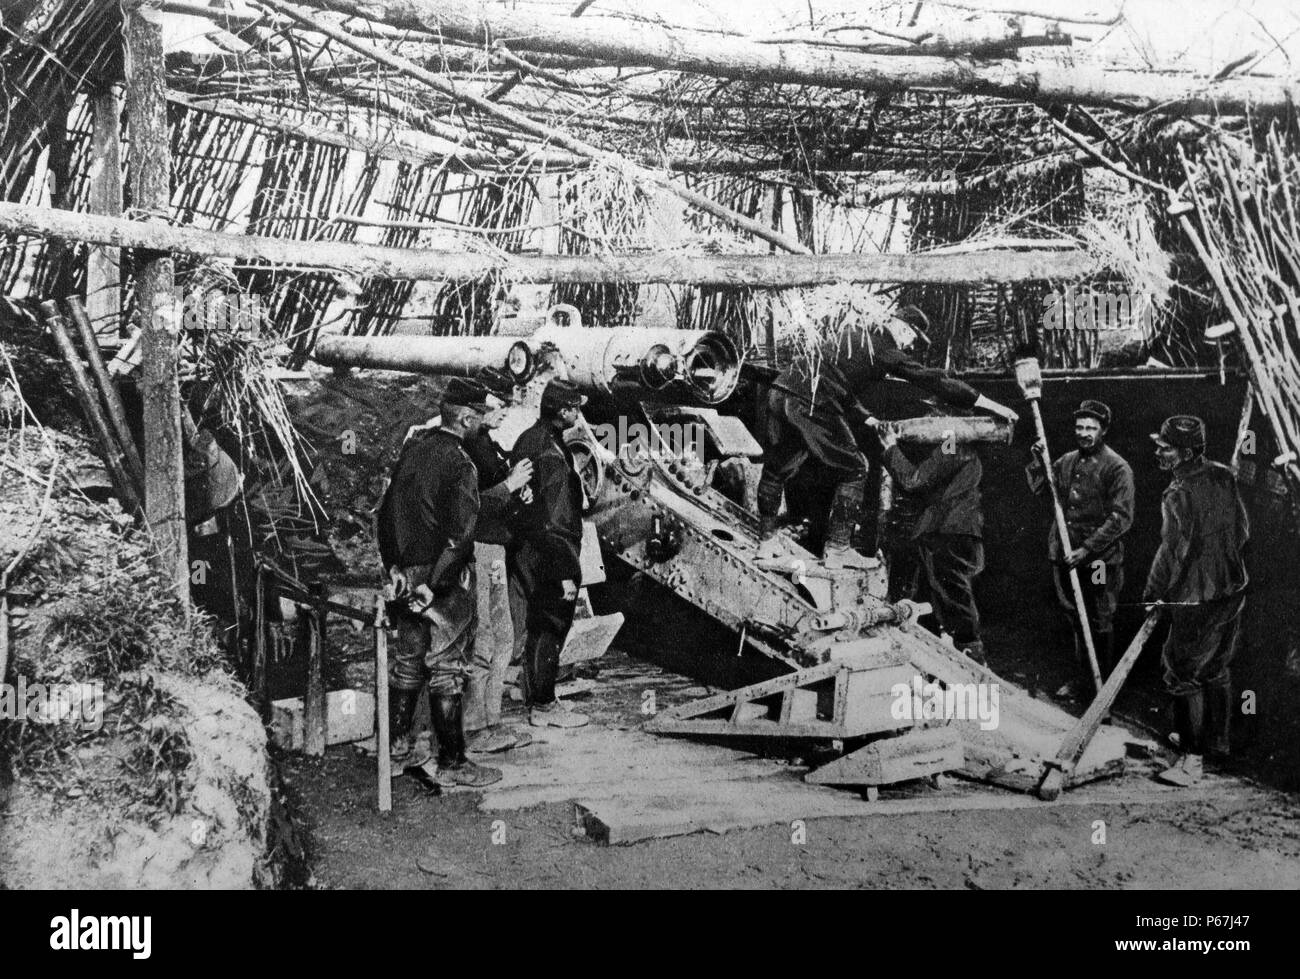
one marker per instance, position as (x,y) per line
(1076,741)
(755,691)
(590,638)
(259,645)
(914,755)
(717,807)
(869,699)
(315,734)
(382,734)
(762,729)
(350,717)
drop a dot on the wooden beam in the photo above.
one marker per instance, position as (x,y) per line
(420,264)
(621,42)
(103,265)
(146,100)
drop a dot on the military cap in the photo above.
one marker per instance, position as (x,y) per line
(498,382)
(465,393)
(1181,432)
(1094,409)
(562,394)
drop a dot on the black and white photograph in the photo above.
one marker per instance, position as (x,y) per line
(650,445)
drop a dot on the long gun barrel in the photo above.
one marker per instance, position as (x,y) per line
(701,365)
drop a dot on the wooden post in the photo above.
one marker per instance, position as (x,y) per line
(146,99)
(103,263)
(313,705)
(259,644)
(381,707)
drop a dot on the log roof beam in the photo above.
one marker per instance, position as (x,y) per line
(422,264)
(644,44)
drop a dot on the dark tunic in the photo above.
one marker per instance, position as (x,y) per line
(1202,537)
(552,524)
(428,514)
(1097,495)
(426,528)
(808,416)
(1201,566)
(949,484)
(948,532)
(498,507)
(850,367)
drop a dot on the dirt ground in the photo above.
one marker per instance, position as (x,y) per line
(1234,833)
(1231,834)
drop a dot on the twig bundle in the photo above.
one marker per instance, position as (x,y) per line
(1247,198)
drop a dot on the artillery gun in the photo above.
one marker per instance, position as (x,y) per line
(892,699)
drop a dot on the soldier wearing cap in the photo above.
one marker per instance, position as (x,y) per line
(1199,578)
(949,533)
(503,489)
(426,539)
(503,494)
(824,418)
(543,563)
(1096,488)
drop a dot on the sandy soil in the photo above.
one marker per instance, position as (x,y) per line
(1236,835)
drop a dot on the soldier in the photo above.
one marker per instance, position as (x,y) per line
(544,563)
(825,421)
(1198,579)
(426,539)
(1096,489)
(503,493)
(949,533)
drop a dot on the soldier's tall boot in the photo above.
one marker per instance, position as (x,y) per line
(453,767)
(403,752)
(838,551)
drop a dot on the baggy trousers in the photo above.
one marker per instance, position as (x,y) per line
(1197,657)
(951,562)
(1202,642)
(439,644)
(1101,585)
(493,646)
(794,431)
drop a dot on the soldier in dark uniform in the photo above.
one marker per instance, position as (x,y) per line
(949,533)
(503,493)
(826,419)
(1199,573)
(543,563)
(1096,490)
(426,539)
